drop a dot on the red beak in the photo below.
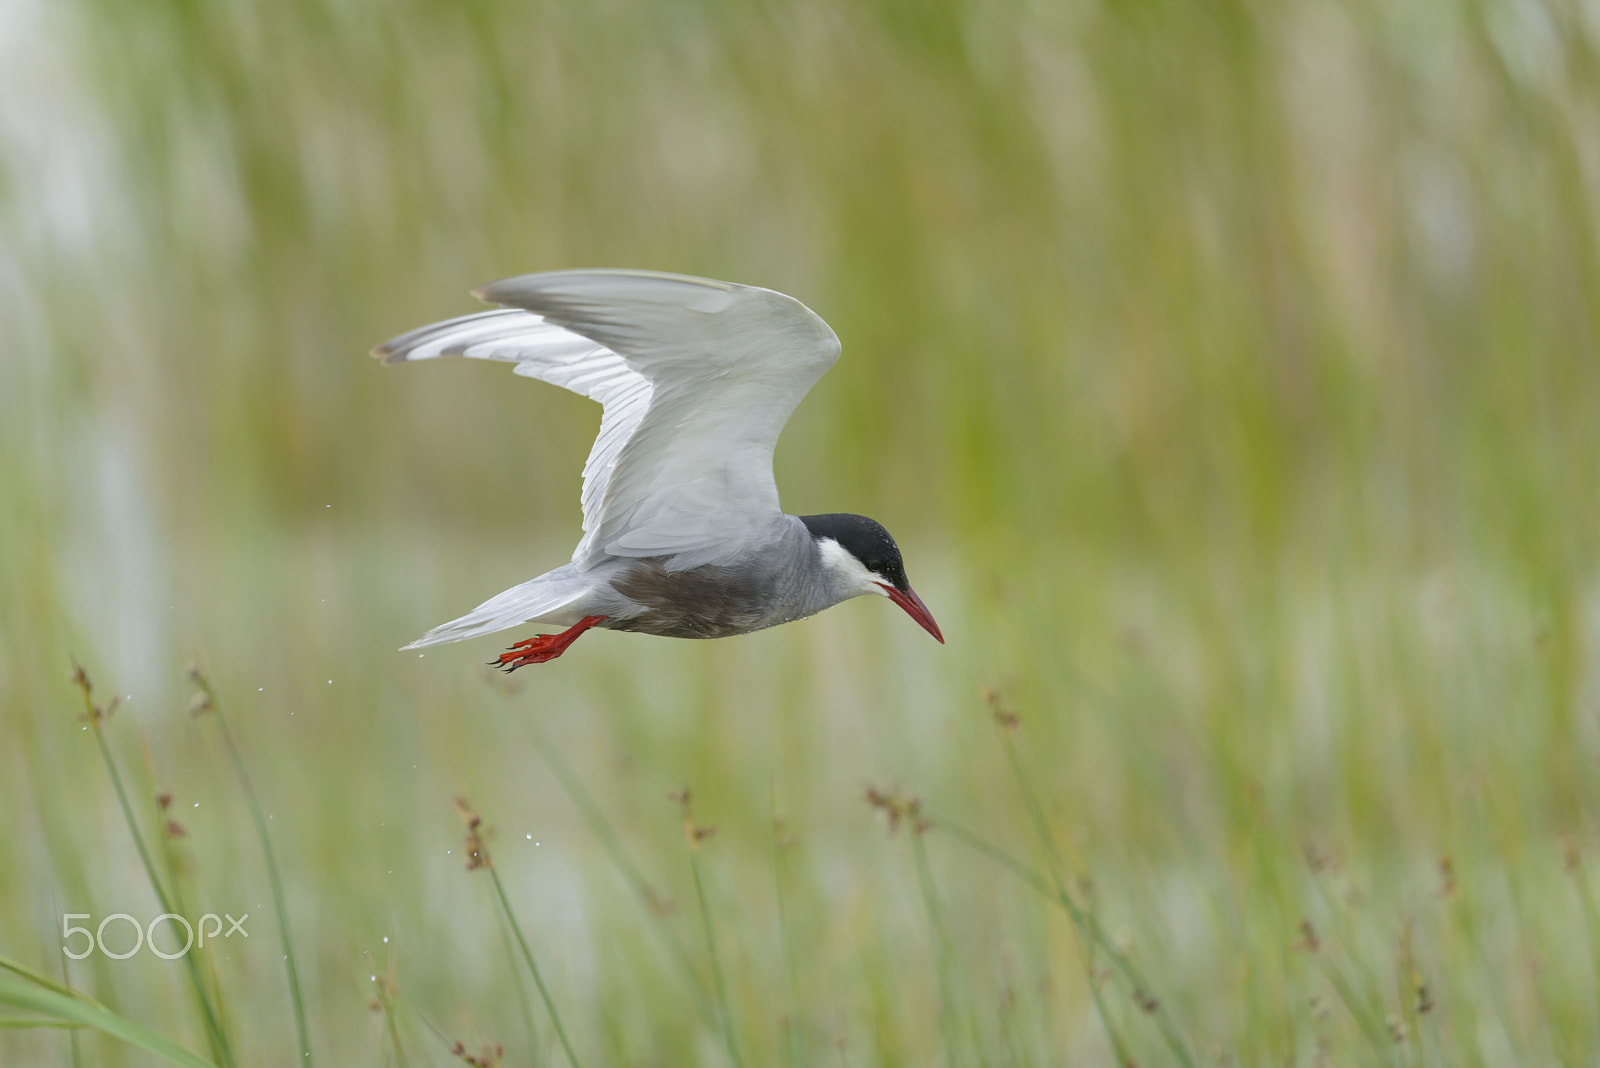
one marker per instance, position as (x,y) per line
(914,607)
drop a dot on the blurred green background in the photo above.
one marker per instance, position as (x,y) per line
(1229,374)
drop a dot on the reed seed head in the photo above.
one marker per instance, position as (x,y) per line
(475,854)
(898,807)
(1008,721)
(488,1057)
(693,833)
(92,713)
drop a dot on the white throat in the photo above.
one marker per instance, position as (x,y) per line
(849,576)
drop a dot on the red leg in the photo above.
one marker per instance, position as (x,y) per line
(544,647)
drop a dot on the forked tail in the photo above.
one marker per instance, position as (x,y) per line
(549,593)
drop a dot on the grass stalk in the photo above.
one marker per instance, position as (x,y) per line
(941,948)
(1371,1025)
(66,982)
(55,1004)
(1089,929)
(166,830)
(394,1037)
(527,956)
(1591,920)
(1086,924)
(210,703)
(794,1038)
(388,989)
(716,961)
(644,895)
(693,835)
(524,1006)
(95,716)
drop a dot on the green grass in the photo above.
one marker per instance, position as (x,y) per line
(1227,373)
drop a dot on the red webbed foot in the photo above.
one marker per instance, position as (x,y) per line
(543,647)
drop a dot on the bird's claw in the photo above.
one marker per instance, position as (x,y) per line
(542,648)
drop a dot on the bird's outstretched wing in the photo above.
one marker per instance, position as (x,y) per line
(697,379)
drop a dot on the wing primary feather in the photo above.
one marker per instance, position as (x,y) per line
(697,378)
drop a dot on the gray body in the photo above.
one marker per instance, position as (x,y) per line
(683,533)
(780,583)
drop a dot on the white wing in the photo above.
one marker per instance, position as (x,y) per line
(697,379)
(544,351)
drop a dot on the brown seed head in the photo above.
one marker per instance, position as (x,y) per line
(474,854)
(1008,721)
(488,1058)
(693,833)
(888,804)
(898,807)
(92,713)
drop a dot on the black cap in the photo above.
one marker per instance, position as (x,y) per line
(866,540)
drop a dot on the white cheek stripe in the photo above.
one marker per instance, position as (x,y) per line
(839,561)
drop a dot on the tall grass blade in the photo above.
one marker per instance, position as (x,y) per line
(73,1009)
(527,956)
(95,716)
(1085,922)
(693,834)
(601,828)
(794,1037)
(66,981)
(170,863)
(716,961)
(274,881)
(524,1006)
(941,949)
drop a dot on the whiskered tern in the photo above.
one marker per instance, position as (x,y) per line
(683,533)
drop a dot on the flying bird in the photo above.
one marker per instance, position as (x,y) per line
(683,534)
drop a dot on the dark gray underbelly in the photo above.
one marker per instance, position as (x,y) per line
(702,602)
